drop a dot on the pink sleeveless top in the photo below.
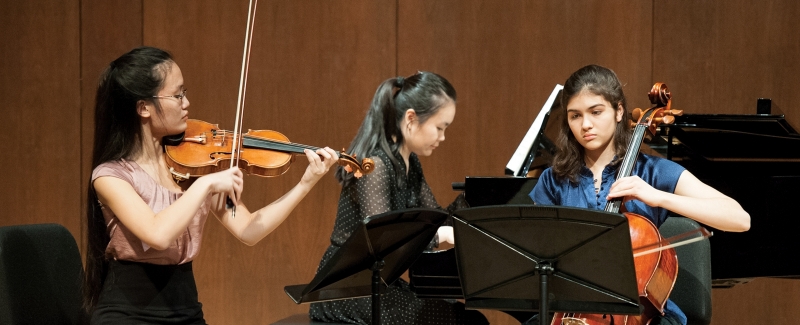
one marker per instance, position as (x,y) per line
(124,245)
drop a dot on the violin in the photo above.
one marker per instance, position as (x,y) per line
(205,149)
(657,268)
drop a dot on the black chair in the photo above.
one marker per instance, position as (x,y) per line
(692,291)
(40,276)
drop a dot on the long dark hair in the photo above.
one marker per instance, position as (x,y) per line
(136,75)
(424,92)
(601,81)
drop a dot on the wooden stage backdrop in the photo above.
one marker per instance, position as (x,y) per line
(315,66)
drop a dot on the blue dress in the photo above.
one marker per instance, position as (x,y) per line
(660,173)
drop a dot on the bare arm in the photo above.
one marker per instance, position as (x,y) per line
(159,230)
(692,198)
(249,227)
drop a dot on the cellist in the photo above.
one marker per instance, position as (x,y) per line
(144,230)
(593,137)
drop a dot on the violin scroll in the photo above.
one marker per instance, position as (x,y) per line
(351,164)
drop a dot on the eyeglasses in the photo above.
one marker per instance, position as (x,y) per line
(178,97)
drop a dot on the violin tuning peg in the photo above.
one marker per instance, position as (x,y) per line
(348,169)
(632,124)
(658,120)
(357,174)
(668,119)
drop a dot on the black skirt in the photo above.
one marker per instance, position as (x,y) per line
(143,293)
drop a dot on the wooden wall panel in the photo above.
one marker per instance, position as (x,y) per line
(314,69)
(719,57)
(504,58)
(762,301)
(40,88)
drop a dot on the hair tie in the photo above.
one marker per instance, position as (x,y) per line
(399,81)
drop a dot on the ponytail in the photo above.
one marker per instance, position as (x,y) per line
(378,128)
(424,92)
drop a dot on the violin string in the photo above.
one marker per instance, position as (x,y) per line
(228,134)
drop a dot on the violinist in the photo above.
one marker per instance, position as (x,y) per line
(407,118)
(593,137)
(144,229)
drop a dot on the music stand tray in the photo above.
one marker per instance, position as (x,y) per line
(512,256)
(378,252)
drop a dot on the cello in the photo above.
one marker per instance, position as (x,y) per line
(656,269)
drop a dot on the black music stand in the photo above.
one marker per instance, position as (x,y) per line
(381,249)
(515,257)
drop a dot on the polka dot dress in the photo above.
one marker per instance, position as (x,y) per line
(387,189)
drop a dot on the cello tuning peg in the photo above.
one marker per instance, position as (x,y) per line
(674,112)
(636,113)
(668,119)
(658,120)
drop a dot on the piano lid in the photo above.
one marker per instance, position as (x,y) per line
(742,138)
(534,139)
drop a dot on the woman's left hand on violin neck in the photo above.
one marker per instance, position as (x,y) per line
(319,163)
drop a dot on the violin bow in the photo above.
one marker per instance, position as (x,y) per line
(236,145)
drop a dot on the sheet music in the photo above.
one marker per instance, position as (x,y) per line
(515,164)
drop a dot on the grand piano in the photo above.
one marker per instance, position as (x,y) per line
(755,159)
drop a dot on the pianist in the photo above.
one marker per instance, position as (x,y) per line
(407,118)
(593,137)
